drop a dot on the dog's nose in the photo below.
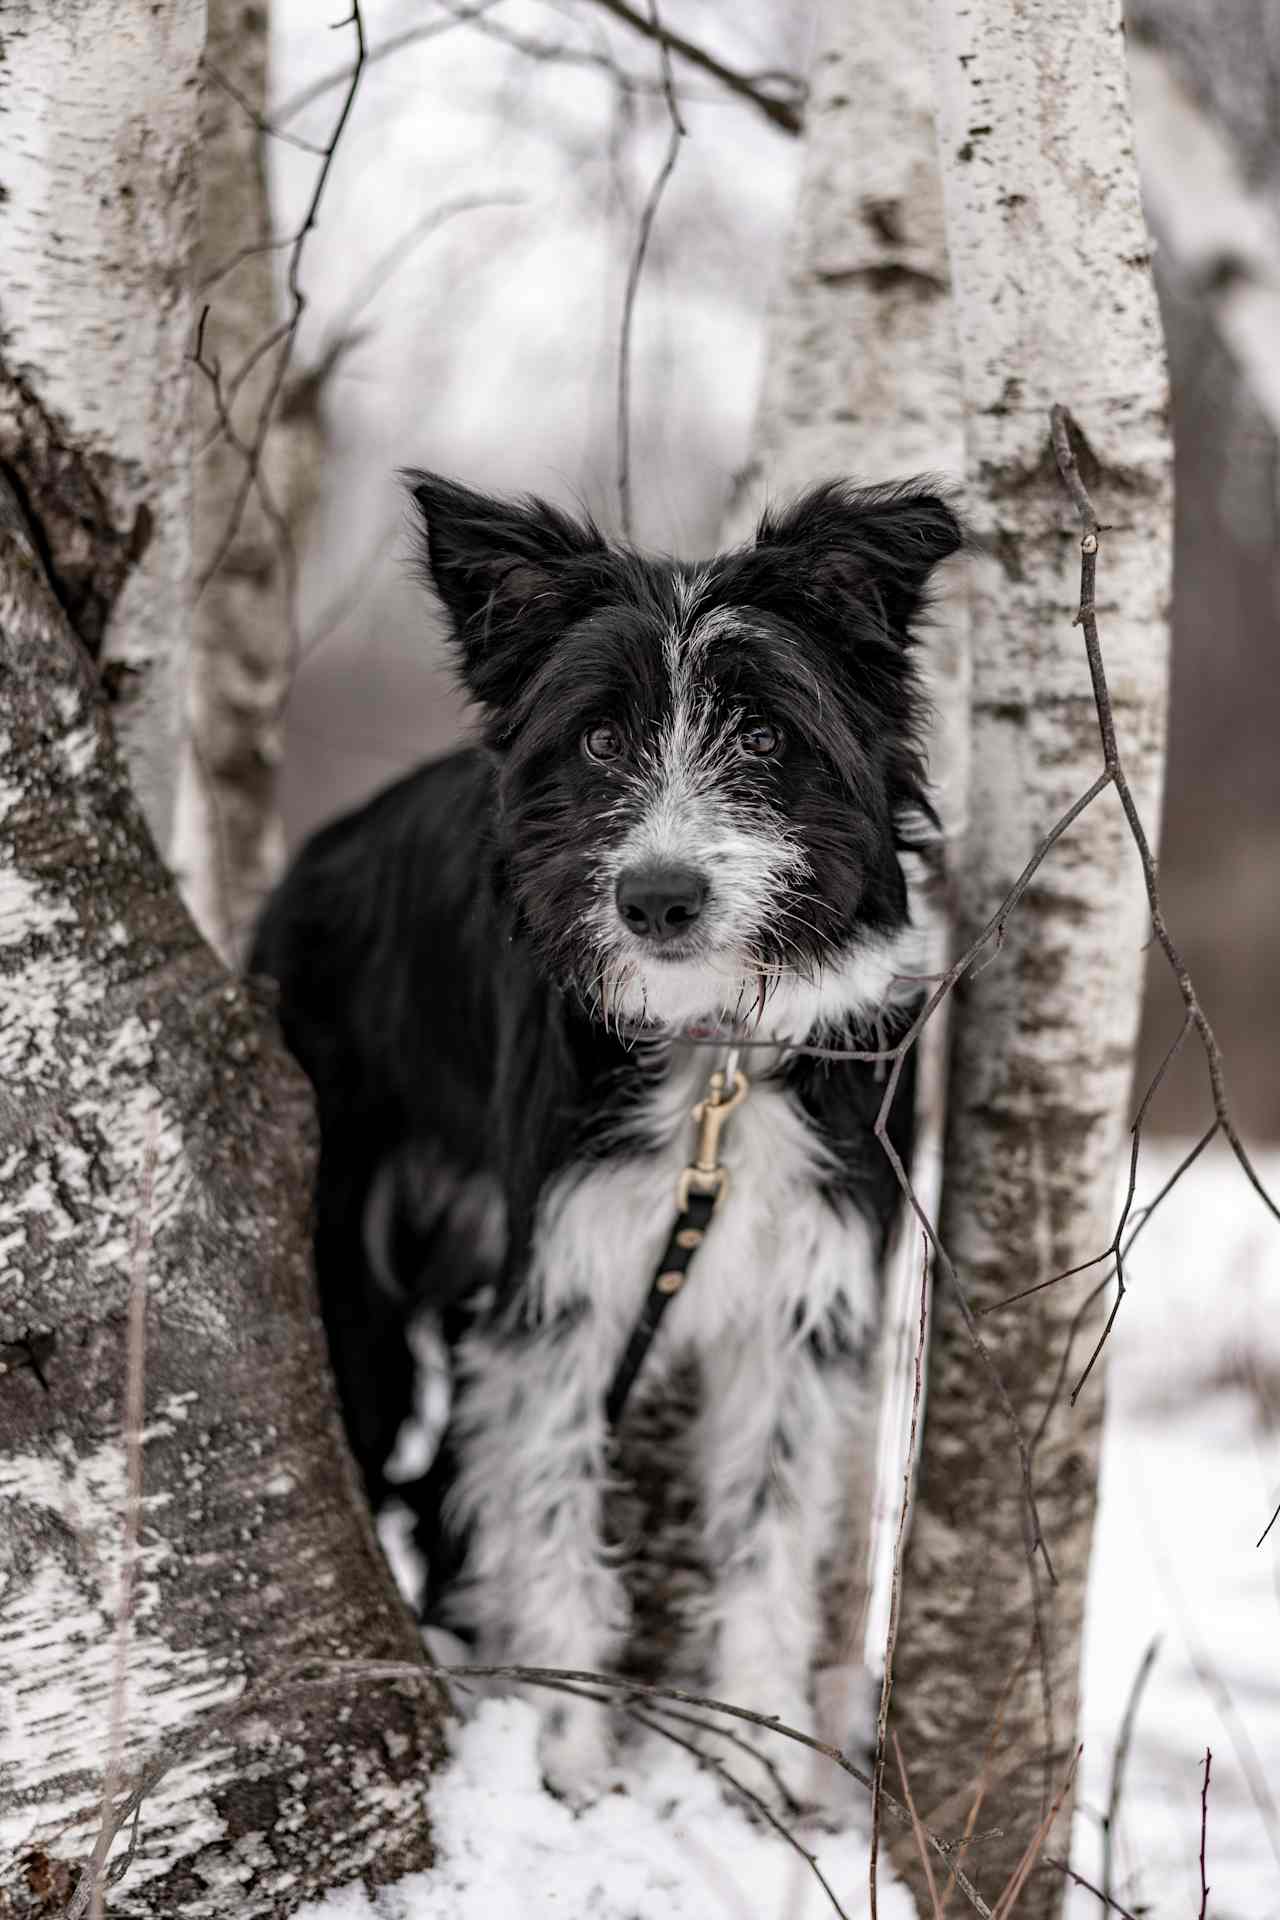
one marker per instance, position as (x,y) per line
(661,903)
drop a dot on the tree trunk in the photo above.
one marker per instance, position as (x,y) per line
(861,379)
(228,846)
(1054,302)
(154,1140)
(96,227)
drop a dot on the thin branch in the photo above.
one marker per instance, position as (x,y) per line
(1119,1760)
(1060,1866)
(784,109)
(917,1829)
(715,1765)
(179,1746)
(285,335)
(636,268)
(342,76)
(1087,619)
(1022,1872)
(1204,1829)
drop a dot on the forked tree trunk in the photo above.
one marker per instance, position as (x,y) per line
(861,379)
(228,844)
(1054,302)
(152,1135)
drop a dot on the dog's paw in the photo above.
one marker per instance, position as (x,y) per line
(576,1752)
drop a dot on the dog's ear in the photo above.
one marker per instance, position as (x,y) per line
(507,571)
(869,547)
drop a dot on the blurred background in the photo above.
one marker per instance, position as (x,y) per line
(465,292)
(465,289)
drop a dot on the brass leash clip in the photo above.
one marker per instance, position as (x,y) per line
(706,1175)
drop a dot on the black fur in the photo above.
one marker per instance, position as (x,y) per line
(436,963)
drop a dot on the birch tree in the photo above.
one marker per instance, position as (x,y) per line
(228,846)
(154,1141)
(1054,303)
(861,379)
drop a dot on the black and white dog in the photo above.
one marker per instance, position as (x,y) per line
(696,808)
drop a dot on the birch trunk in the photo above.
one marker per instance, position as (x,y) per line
(1054,302)
(861,379)
(96,227)
(152,1133)
(228,845)
(131,1062)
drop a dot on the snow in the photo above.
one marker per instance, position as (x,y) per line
(1191,1473)
(1190,1476)
(670,1848)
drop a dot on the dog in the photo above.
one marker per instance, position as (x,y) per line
(697,817)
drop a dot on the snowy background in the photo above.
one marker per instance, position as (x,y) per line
(485,346)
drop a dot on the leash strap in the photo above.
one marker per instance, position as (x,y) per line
(699,1191)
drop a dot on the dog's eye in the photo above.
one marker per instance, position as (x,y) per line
(760,740)
(603,742)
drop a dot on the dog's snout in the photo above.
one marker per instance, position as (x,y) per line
(661,903)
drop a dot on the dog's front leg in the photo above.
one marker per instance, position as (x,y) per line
(539,1585)
(770,1448)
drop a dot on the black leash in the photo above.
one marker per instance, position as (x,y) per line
(699,1191)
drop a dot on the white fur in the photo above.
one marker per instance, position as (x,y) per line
(541,1586)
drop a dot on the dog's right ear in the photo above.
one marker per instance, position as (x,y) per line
(510,573)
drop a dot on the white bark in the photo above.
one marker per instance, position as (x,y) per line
(228,845)
(125,1046)
(861,379)
(1054,302)
(129,1059)
(95,382)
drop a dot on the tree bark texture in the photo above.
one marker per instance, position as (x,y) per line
(228,846)
(97,224)
(1054,302)
(130,1061)
(861,379)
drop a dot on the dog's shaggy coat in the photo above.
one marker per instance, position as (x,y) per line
(697,800)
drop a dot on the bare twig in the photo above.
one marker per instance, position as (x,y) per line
(891,1636)
(134,1410)
(1022,1872)
(284,336)
(179,1746)
(761,1806)
(917,1829)
(459,16)
(1060,1866)
(778,96)
(1204,1830)
(1119,1760)
(1117,777)
(784,108)
(636,268)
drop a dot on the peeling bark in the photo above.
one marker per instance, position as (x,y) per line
(124,1042)
(129,1059)
(1054,302)
(228,846)
(97,218)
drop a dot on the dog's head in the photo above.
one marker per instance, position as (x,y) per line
(708,774)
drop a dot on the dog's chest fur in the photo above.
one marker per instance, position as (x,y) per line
(783,1252)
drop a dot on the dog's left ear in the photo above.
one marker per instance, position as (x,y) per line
(508,572)
(870,546)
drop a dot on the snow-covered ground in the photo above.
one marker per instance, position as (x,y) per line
(1191,1473)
